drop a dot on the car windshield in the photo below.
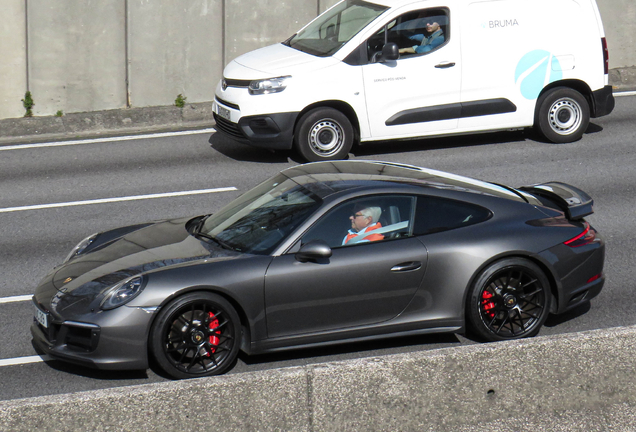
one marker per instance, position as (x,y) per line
(260,219)
(334,28)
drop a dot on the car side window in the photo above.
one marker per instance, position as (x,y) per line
(364,220)
(415,33)
(434,214)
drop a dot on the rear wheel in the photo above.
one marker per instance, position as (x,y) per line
(323,134)
(562,115)
(509,300)
(196,335)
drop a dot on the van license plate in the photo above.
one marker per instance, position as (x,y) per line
(225,113)
(41,317)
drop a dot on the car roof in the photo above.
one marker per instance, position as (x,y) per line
(326,178)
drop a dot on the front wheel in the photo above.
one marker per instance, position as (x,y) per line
(562,115)
(196,335)
(323,134)
(509,300)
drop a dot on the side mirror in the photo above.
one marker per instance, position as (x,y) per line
(314,250)
(390,51)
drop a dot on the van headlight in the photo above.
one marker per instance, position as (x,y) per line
(123,292)
(267,86)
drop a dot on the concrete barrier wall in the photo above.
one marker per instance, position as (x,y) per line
(619,22)
(89,55)
(76,55)
(174,47)
(13,76)
(572,382)
(250,25)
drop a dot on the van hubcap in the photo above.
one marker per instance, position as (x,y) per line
(565,116)
(326,137)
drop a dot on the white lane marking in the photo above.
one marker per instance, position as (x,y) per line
(117,199)
(627,93)
(106,139)
(15,298)
(24,360)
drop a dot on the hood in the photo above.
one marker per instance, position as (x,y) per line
(158,245)
(272,61)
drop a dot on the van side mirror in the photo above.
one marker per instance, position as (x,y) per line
(390,51)
(314,250)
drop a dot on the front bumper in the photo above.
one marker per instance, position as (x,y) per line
(273,131)
(115,339)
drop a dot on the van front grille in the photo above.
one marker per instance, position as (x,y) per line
(228,127)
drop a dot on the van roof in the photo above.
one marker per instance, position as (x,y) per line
(395,3)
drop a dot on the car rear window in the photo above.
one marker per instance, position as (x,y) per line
(434,214)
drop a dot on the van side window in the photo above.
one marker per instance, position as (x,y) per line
(435,214)
(415,33)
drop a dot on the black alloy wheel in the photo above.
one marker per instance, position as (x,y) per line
(510,300)
(323,134)
(196,335)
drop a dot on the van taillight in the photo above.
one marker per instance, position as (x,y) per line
(605,55)
(586,237)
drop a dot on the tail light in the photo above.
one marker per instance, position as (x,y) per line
(605,55)
(586,237)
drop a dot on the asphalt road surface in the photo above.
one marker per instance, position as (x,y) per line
(36,238)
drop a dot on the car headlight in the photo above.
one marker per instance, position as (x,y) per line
(123,292)
(266,86)
(81,246)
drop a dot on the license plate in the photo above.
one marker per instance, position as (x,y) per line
(223,112)
(41,317)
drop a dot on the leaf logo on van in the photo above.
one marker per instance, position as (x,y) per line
(534,71)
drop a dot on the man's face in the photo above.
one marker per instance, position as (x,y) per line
(359,222)
(432,27)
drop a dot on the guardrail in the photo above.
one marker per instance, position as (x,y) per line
(583,381)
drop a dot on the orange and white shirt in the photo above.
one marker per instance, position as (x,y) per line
(371,237)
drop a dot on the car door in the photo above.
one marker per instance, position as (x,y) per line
(359,285)
(419,93)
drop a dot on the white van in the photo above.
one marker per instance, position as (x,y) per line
(392,69)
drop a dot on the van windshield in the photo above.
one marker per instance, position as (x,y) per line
(334,28)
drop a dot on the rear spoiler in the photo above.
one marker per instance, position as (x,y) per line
(573,201)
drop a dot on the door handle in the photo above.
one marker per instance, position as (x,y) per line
(407,266)
(445,65)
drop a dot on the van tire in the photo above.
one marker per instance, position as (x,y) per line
(323,134)
(562,115)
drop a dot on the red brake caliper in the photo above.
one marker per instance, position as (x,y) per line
(214,323)
(488,304)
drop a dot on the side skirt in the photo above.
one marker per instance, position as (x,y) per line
(304,341)
(452,111)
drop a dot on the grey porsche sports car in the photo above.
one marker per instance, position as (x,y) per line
(322,253)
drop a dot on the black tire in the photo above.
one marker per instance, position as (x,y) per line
(323,134)
(562,115)
(509,300)
(196,335)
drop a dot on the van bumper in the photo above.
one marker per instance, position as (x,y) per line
(271,131)
(603,101)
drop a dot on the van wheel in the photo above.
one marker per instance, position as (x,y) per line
(562,115)
(323,134)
